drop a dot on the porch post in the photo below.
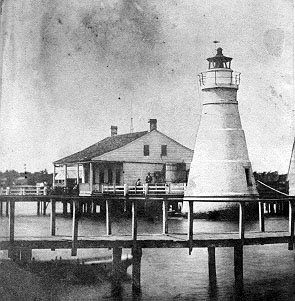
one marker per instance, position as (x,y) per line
(106,176)
(83,174)
(122,175)
(66,171)
(78,177)
(53,176)
(91,176)
(114,175)
(97,177)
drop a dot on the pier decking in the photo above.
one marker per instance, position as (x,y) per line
(20,248)
(171,240)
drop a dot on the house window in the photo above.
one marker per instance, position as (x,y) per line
(248,176)
(146,150)
(163,150)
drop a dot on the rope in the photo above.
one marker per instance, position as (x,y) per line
(272,188)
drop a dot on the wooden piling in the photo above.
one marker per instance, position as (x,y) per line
(136,269)
(125,203)
(88,207)
(134,222)
(44,208)
(116,267)
(291,225)
(11,219)
(190,227)
(64,208)
(7,208)
(71,208)
(212,266)
(165,215)
(261,217)
(108,217)
(238,266)
(38,207)
(52,217)
(1,208)
(75,229)
(12,252)
(242,222)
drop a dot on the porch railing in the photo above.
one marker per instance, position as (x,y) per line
(161,188)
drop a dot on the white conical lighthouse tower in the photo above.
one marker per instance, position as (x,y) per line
(221,168)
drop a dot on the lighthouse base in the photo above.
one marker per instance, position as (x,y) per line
(221,209)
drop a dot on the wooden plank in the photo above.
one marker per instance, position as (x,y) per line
(52,217)
(190,227)
(165,216)
(261,217)
(75,229)
(291,225)
(144,241)
(108,217)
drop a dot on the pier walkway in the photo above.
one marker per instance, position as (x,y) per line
(20,248)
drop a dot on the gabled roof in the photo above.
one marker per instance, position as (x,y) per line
(104,146)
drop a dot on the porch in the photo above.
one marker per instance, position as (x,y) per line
(89,175)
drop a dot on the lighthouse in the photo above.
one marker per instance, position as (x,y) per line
(221,168)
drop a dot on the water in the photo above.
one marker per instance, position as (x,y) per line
(269,271)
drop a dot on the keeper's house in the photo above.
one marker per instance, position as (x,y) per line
(122,159)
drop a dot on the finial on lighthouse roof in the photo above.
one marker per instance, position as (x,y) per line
(219,60)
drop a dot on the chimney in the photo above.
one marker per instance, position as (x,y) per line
(114,130)
(153,124)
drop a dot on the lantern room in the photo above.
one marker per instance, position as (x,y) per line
(219,73)
(219,60)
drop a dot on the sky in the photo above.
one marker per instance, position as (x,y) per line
(71,69)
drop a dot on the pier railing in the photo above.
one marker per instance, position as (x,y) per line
(145,189)
(24,190)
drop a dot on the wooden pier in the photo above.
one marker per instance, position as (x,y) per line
(20,248)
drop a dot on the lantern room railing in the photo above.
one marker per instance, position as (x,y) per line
(219,77)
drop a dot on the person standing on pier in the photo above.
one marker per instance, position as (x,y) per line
(137,184)
(149,178)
